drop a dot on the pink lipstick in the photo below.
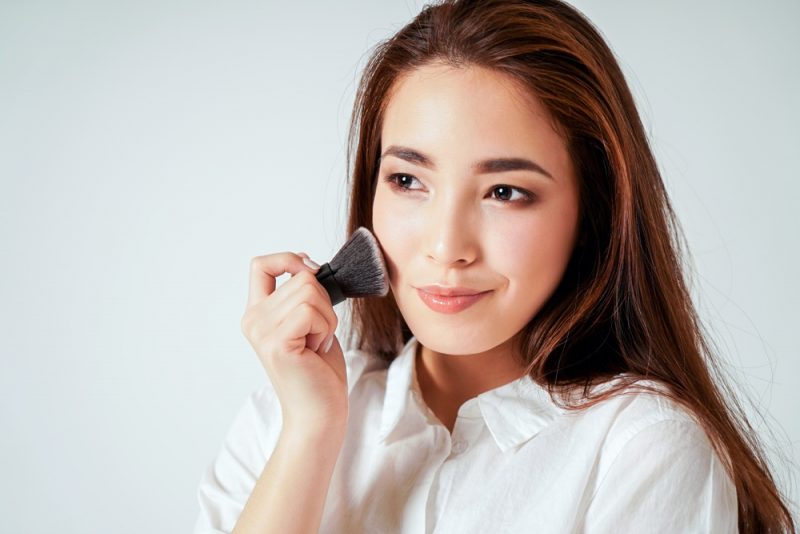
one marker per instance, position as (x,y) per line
(449,303)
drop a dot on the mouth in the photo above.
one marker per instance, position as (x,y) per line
(450,303)
(449,291)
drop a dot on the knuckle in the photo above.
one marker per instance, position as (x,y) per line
(307,310)
(309,292)
(255,263)
(306,276)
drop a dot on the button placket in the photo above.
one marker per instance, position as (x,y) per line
(468,426)
(459,446)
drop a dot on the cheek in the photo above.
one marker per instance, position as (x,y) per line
(534,248)
(394,228)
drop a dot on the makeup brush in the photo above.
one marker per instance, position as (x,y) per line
(357,270)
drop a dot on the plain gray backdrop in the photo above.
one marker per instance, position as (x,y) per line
(148,150)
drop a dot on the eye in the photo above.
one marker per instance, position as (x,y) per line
(401,182)
(394,180)
(506,190)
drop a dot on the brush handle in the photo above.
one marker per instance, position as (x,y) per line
(328,281)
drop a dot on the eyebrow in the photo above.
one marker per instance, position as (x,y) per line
(481,167)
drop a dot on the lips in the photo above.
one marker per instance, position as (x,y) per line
(451,303)
(450,291)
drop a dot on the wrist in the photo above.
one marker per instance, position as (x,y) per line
(331,429)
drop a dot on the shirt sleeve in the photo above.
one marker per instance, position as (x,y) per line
(665,478)
(229,479)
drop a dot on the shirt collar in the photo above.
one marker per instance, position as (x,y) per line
(513,412)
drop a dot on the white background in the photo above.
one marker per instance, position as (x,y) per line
(149,149)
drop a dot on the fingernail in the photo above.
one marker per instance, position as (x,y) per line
(310,263)
(328,344)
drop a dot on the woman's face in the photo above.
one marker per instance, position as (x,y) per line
(442,218)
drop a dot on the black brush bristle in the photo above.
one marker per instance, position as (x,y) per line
(357,270)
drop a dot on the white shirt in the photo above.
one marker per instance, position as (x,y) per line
(515,462)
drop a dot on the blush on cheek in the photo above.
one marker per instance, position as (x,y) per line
(391,231)
(402,245)
(530,251)
(516,239)
(517,264)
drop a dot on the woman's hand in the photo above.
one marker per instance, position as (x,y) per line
(287,327)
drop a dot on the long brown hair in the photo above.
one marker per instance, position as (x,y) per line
(622,308)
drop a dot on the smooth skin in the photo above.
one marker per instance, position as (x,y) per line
(443,224)
(447,223)
(288,328)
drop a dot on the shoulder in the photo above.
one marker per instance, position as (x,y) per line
(641,405)
(643,409)
(657,458)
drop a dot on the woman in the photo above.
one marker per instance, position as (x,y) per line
(499,155)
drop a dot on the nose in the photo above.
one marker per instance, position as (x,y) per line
(450,236)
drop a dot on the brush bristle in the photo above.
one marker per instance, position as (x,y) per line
(359,266)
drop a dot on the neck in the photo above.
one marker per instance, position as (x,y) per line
(447,381)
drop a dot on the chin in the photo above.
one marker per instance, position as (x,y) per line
(455,340)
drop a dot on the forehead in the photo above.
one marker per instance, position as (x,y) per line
(481,109)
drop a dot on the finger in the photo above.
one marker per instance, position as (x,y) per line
(285,292)
(301,288)
(305,286)
(265,269)
(304,327)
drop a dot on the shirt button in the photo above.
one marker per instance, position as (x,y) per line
(459,447)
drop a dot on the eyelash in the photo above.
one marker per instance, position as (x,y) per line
(392,181)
